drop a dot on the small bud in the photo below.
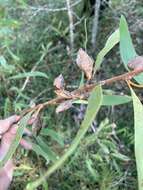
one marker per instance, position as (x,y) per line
(64,106)
(136,63)
(59,82)
(85,63)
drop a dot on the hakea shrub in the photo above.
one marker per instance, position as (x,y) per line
(91,93)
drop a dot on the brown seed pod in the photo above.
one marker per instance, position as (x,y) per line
(37,126)
(64,106)
(85,63)
(136,63)
(59,82)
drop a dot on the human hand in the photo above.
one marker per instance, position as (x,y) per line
(8,130)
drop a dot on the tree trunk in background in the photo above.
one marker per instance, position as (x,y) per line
(95,24)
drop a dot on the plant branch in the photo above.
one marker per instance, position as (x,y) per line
(83,92)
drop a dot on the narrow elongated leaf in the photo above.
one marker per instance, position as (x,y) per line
(51,155)
(39,151)
(112,100)
(109,100)
(120,156)
(3,61)
(92,171)
(29,74)
(53,134)
(15,57)
(111,42)
(127,50)
(4,66)
(138,127)
(95,101)
(17,139)
(81,80)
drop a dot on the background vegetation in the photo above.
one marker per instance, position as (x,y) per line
(37,36)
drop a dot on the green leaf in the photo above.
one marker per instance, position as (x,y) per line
(104,148)
(15,57)
(41,148)
(120,156)
(54,135)
(109,100)
(4,66)
(16,141)
(138,128)
(45,148)
(3,61)
(111,42)
(112,100)
(9,23)
(80,102)
(29,74)
(18,91)
(94,99)
(127,50)
(81,80)
(5,32)
(92,171)
(39,151)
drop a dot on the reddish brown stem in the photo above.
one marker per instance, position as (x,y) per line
(82,92)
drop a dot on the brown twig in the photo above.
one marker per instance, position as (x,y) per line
(82,92)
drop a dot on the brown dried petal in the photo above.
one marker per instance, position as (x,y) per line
(136,63)
(64,106)
(59,82)
(85,63)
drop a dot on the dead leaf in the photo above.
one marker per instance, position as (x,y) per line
(64,106)
(85,63)
(59,82)
(136,63)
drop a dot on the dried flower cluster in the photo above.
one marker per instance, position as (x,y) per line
(85,63)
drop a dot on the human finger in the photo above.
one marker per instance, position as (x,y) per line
(6,175)
(8,137)
(6,141)
(6,123)
(25,144)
